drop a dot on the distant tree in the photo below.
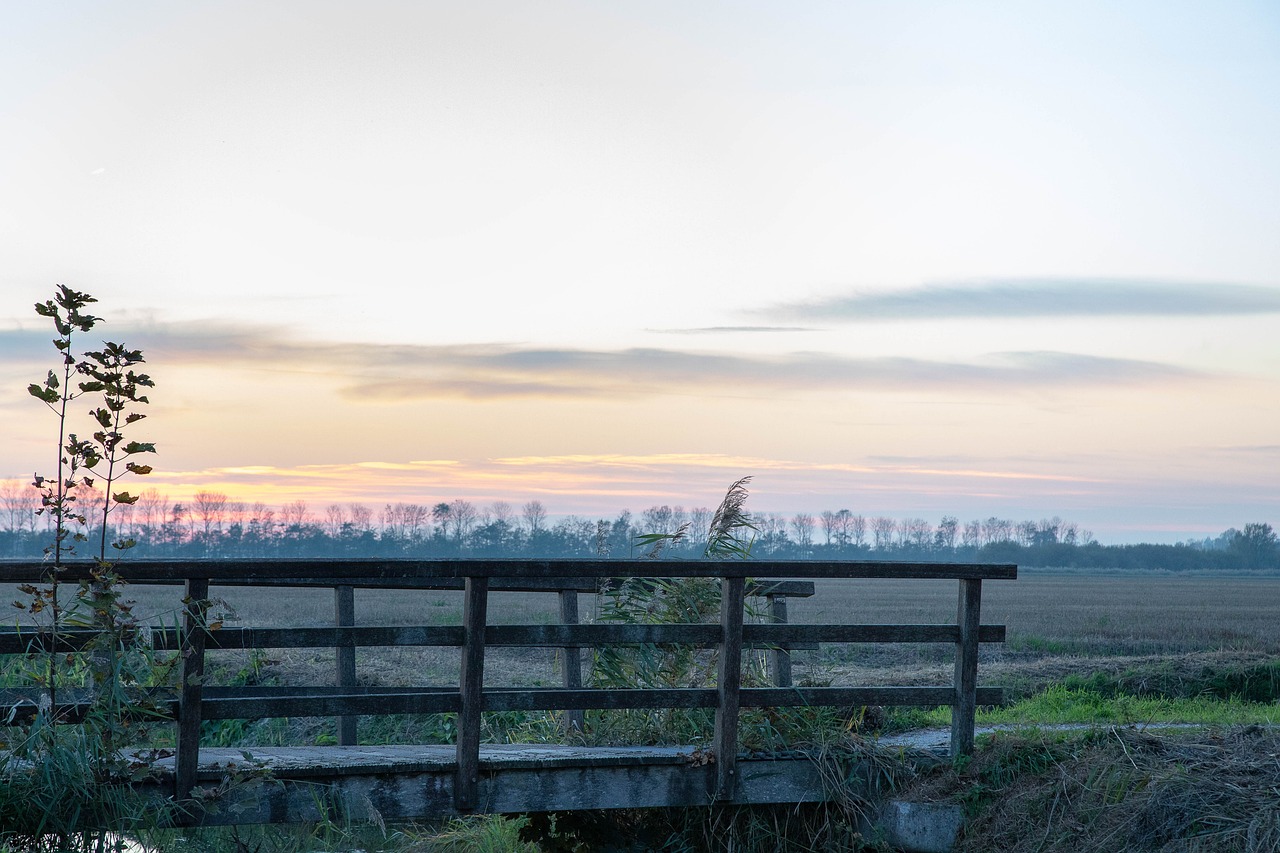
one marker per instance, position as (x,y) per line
(971,537)
(335,516)
(828,521)
(857,529)
(1256,546)
(802,531)
(915,533)
(209,508)
(502,512)
(882,530)
(295,515)
(535,517)
(361,518)
(465,516)
(944,536)
(1025,533)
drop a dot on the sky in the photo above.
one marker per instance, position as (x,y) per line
(911,259)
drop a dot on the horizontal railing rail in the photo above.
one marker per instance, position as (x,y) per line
(193,701)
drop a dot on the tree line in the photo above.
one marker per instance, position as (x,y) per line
(211,525)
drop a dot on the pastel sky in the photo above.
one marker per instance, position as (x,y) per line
(909,258)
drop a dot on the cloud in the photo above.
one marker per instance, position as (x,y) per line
(719,330)
(398,372)
(1032,297)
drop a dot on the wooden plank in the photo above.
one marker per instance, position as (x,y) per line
(195,625)
(470,692)
(728,685)
(344,616)
(964,708)
(570,659)
(779,657)
(795,697)
(328,571)
(225,703)
(407,795)
(784,636)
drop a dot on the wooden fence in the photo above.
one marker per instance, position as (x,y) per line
(196,701)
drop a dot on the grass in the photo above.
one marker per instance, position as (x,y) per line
(1061,705)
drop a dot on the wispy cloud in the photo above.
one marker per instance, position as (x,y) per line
(387,372)
(722,330)
(1037,297)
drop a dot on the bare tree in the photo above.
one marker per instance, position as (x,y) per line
(944,537)
(915,533)
(972,535)
(700,523)
(535,516)
(464,518)
(502,512)
(857,529)
(1025,533)
(295,515)
(828,519)
(20,503)
(802,530)
(361,518)
(882,529)
(209,507)
(335,516)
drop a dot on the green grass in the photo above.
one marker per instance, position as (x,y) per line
(1060,705)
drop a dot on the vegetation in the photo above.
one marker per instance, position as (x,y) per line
(64,771)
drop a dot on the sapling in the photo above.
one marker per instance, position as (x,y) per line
(98,605)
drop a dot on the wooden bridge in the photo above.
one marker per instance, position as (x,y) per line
(427,781)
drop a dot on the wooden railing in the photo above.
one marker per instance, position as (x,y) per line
(197,701)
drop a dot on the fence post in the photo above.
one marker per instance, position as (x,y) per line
(968,616)
(344,616)
(195,623)
(780,657)
(571,659)
(471,688)
(728,683)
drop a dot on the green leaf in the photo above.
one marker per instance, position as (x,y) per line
(48,395)
(140,447)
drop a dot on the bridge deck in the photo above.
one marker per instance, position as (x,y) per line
(292,784)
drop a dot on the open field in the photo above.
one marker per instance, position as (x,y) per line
(1060,623)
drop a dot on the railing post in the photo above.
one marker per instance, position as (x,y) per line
(968,618)
(571,659)
(344,616)
(779,658)
(728,683)
(195,623)
(471,687)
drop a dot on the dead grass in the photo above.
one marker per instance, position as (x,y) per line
(1118,789)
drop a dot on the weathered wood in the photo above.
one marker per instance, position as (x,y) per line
(416,783)
(570,659)
(229,703)
(779,659)
(344,616)
(195,627)
(964,707)
(326,572)
(470,692)
(728,685)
